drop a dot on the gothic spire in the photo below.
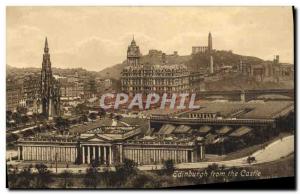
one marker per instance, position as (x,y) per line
(133,41)
(46,49)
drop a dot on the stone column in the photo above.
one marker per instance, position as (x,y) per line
(121,153)
(19,153)
(42,153)
(31,152)
(201,152)
(28,152)
(45,153)
(137,156)
(83,155)
(104,154)
(99,154)
(34,153)
(134,152)
(76,153)
(52,153)
(38,153)
(60,154)
(70,154)
(94,152)
(110,156)
(24,153)
(192,156)
(89,155)
(186,156)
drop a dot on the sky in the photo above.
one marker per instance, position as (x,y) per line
(97,37)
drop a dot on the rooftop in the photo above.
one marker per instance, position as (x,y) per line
(244,110)
(240,132)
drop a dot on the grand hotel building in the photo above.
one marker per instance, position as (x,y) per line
(146,78)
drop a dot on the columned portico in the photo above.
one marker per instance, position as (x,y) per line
(102,154)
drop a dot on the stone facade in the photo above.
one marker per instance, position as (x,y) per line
(107,148)
(148,78)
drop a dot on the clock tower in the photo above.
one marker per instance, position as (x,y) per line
(133,54)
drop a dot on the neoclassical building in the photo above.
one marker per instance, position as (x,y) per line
(147,78)
(109,146)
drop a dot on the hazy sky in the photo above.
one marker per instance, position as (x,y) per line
(97,37)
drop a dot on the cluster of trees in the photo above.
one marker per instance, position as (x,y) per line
(27,178)
(19,118)
(125,175)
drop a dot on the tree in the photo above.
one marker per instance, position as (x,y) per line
(41,117)
(67,179)
(91,177)
(93,116)
(8,115)
(101,112)
(17,117)
(24,119)
(12,177)
(125,170)
(43,177)
(168,167)
(144,180)
(118,117)
(81,109)
(34,117)
(84,118)
(24,178)
(251,159)
(22,110)
(61,123)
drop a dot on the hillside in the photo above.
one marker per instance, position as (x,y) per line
(238,81)
(59,71)
(221,58)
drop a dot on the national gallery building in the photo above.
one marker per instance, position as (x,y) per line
(109,145)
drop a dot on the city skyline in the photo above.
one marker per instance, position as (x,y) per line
(163,28)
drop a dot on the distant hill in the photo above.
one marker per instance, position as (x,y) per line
(59,71)
(221,58)
(112,72)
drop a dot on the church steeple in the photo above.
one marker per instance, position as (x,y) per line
(46,48)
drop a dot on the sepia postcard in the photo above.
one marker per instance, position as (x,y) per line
(149,97)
